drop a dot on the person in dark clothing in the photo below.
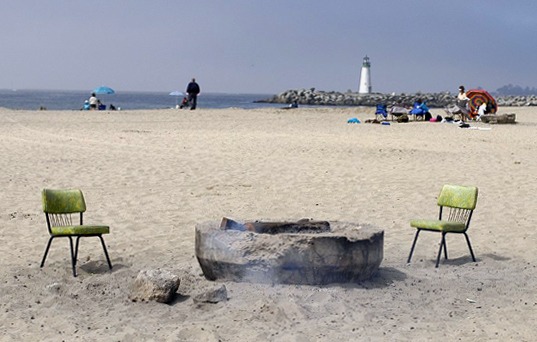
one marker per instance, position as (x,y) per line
(193,89)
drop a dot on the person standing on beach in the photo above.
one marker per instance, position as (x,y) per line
(462,102)
(93,101)
(462,94)
(193,89)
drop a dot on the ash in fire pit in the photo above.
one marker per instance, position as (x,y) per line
(301,252)
(304,226)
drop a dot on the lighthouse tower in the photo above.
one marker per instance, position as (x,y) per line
(365,77)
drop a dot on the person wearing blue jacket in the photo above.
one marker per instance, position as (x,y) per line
(193,89)
(419,109)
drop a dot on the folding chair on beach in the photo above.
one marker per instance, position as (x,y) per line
(398,110)
(419,110)
(381,113)
(458,109)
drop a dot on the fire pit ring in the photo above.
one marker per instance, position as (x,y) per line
(301,252)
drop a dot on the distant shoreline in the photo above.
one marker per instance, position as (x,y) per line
(74,100)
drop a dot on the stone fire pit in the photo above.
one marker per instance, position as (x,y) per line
(302,252)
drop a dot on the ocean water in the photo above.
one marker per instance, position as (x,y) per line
(74,100)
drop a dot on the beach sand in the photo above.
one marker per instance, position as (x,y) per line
(152,175)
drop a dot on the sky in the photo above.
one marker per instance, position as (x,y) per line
(267,46)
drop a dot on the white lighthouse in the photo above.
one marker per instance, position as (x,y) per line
(365,77)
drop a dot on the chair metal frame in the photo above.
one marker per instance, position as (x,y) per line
(455,215)
(66,219)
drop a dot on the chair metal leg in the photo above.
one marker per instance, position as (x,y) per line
(442,243)
(105,252)
(445,249)
(76,249)
(73,260)
(413,245)
(469,246)
(46,251)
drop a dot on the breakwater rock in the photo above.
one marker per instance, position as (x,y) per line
(332,98)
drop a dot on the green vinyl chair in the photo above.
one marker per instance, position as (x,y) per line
(61,208)
(457,204)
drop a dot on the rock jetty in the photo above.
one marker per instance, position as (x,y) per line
(332,98)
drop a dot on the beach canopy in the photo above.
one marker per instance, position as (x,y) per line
(103,90)
(477,97)
(177,93)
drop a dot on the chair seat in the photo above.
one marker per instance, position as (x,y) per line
(438,225)
(79,230)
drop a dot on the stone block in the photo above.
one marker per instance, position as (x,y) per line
(211,295)
(154,285)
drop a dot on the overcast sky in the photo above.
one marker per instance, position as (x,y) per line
(267,46)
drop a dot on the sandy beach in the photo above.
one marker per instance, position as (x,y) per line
(152,175)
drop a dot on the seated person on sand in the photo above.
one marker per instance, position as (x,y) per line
(420,109)
(184,103)
(112,107)
(86,105)
(481,110)
(292,105)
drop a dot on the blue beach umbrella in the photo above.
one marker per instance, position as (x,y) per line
(103,90)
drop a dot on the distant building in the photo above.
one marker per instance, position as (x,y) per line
(365,77)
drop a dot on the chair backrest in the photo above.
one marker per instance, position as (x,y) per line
(460,201)
(381,109)
(456,196)
(59,205)
(65,201)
